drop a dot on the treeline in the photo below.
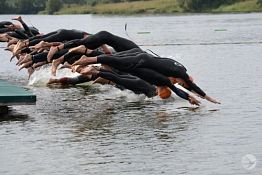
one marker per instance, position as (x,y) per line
(51,6)
(202,5)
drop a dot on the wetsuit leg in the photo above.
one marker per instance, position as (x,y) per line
(16,35)
(72,57)
(131,52)
(21,33)
(41,36)
(4,30)
(26,50)
(34,31)
(125,64)
(3,23)
(103,37)
(132,83)
(59,36)
(40,57)
(27,29)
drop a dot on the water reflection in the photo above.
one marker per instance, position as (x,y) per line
(13,115)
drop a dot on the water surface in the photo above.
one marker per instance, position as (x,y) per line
(101,130)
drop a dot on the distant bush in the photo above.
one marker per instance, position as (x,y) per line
(259,2)
(53,6)
(199,5)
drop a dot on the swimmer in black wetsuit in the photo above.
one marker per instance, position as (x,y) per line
(118,79)
(11,30)
(95,41)
(145,66)
(60,35)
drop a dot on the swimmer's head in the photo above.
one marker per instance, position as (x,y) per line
(180,81)
(163,92)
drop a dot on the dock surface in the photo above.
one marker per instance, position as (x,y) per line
(11,94)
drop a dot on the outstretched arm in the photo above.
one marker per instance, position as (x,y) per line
(211,99)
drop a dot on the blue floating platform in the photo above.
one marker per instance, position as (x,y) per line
(14,95)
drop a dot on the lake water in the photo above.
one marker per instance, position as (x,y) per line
(101,130)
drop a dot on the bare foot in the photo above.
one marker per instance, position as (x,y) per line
(12,42)
(36,65)
(18,18)
(66,65)
(4,38)
(89,70)
(79,49)
(20,44)
(30,71)
(26,59)
(55,64)
(77,68)
(84,60)
(21,57)
(25,65)
(40,45)
(51,53)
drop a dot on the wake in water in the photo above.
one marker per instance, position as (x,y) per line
(125,66)
(42,75)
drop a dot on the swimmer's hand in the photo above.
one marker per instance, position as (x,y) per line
(192,100)
(212,100)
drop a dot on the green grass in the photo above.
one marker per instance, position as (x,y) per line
(154,7)
(242,6)
(147,7)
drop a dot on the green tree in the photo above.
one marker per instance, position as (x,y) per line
(24,6)
(199,5)
(53,6)
(259,2)
(3,6)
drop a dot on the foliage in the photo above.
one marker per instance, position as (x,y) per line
(3,6)
(126,6)
(53,6)
(259,2)
(199,5)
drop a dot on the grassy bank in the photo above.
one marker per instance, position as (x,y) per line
(243,6)
(153,7)
(150,7)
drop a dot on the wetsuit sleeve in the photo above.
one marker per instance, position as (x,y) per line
(21,33)
(180,93)
(73,43)
(195,88)
(75,80)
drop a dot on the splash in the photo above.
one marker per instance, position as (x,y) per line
(41,76)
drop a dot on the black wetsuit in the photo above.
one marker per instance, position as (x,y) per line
(40,57)
(123,81)
(4,23)
(100,38)
(159,67)
(60,35)
(133,83)
(24,33)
